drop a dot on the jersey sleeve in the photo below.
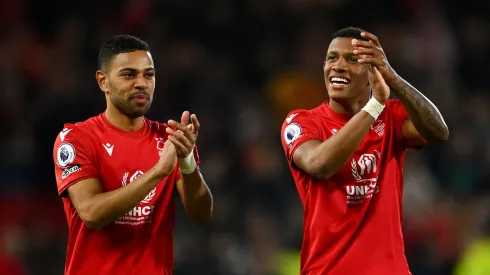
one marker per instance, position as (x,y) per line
(74,158)
(298,127)
(400,115)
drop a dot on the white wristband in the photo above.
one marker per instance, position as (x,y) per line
(188,164)
(373,107)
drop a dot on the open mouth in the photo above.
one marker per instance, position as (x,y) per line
(339,82)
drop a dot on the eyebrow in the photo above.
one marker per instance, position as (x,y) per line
(345,53)
(336,52)
(133,70)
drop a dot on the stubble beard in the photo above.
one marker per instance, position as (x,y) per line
(125,107)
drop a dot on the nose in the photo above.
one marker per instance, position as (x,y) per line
(141,83)
(340,65)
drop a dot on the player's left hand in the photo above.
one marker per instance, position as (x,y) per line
(372,53)
(183,135)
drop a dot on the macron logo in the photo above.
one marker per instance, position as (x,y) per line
(289,118)
(64,133)
(108,148)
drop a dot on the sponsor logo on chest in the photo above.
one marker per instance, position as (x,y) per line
(142,213)
(364,170)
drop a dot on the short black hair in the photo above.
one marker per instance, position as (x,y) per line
(120,44)
(350,32)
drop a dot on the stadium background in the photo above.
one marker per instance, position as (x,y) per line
(241,66)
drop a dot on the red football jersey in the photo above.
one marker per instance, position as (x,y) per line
(352,221)
(140,242)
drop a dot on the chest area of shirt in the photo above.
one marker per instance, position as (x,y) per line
(115,149)
(362,169)
(364,175)
(122,160)
(377,132)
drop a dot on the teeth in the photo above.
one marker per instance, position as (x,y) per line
(339,79)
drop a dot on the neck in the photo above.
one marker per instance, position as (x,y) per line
(348,107)
(117,119)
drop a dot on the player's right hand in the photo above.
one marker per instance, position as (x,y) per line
(381,90)
(168,159)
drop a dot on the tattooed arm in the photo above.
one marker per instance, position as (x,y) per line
(425,123)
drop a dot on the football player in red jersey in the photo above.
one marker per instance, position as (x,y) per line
(117,172)
(346,157)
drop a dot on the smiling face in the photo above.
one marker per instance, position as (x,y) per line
(129,83)
(346,79)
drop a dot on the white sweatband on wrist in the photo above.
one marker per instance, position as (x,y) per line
(188,164)
(373,107)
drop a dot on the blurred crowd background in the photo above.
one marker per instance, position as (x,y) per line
(242,66)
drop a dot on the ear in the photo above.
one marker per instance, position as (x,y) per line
(102,80)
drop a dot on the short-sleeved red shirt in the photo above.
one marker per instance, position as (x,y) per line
(140,242)
(352,221)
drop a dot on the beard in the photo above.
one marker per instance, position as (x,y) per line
(129,108)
